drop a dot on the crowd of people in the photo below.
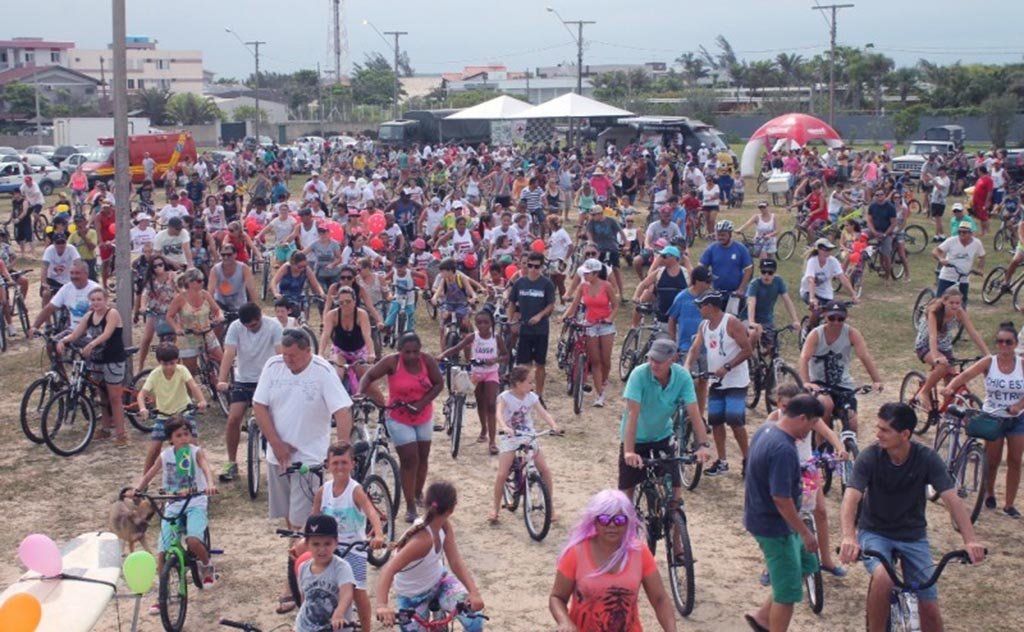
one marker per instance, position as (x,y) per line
(481,233)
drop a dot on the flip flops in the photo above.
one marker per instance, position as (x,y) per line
(754,625)
(285,605)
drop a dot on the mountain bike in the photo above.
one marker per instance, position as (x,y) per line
(690,470)
(436,620)
(42,388)
(374,455)
(665,518)
(209,370)
(995,286)
(927,294)
(403,321)
(577,366)
(965,458)
(255,448)
(903,602)
(452,326)
(340,551)
(910,393)
(768,369)
(15,302)
(633,352)
(179,562)
(454,409)
(249,627)
(525,482)
(847,436)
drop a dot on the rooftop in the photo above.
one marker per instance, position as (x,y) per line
(34,43)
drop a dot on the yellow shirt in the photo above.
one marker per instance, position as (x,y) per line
(78,242)
(359,163)
(171,394)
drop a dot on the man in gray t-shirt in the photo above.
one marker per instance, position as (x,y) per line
(249,343)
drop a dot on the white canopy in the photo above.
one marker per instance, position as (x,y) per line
(497,109)
(572,106)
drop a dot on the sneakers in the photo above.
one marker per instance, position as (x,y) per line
(154,609)
(229,473)
(1011,512)
(12,332)
(938,239)
(765,579)
(560,309)
(717,468)
(599,402)
(990,502)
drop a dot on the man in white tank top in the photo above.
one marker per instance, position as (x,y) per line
(723,338)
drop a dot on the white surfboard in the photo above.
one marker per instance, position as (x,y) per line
(71,605)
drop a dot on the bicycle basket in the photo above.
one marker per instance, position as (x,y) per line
(461,382)
(982,425)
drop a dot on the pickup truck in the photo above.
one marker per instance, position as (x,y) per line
(12,175)
(917,154)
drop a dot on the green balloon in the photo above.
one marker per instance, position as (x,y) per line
(139,571)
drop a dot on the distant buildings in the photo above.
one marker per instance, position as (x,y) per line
(148,67)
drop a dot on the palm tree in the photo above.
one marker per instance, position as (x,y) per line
(760,74)
(192,109)
(152,102)
(790,68)
(903,81)
(694,67)
(878,66)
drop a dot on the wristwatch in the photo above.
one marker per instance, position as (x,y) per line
(728,366)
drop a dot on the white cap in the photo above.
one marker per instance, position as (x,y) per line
(457,204)
(143,217)
(592,265)
(314,173)
(229,189)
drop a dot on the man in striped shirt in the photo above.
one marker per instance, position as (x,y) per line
(533,195)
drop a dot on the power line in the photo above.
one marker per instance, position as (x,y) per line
(676,50)
(495,55)
(832,53)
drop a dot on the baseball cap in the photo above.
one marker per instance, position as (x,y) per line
(321,524)
(143,217)
(592,265)
(834,307)
(229,189)
(708,297)
(762,204)
(965,225)
(824,243)
(419,243)
(457,204)
(661,350)
(351,178)
(320,228)
(701,274)
(670,251)
(435,200)
(769,265)
(958,207)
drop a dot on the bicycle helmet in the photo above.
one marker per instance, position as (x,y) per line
(724,225)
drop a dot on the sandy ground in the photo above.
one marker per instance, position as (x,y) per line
(40,492)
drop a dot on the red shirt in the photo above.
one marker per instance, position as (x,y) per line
(107,230)
(607,601)
(982,189)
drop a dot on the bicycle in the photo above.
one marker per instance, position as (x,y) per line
(966,461)
(525,482)
(768,369)
(42,388)
(373,456)
(249,627)
(403,322)
(846,435)
(68,420)
(631,353)
(255,448)
(454,409)
(452,326)
(665,517)
(903,602)
(179,562)
(436,621)
(341,550)
(301,305)
(995,286)
(814,316)
(910,393)
(578,368)
(926,296)
(208,369)
(16,303)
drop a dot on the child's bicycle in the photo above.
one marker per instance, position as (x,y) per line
(437,620)
(248,627)
(179,563)
(525,482)
(293,575)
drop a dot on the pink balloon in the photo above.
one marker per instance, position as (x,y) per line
(40,554)
(376,223)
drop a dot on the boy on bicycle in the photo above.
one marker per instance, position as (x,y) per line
(325,581)
(169,385)
(184,469)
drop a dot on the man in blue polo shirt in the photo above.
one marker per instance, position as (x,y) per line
(731,266)
(653,393)
(684,319)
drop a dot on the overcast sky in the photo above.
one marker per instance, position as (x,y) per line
(445,35)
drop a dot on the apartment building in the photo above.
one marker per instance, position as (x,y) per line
(148,66)
(33,51)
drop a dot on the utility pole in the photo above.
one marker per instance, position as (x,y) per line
(39,123)
(256,88)
(122,177)
(834,8)
(528,86)
(337,39)
(579,52)
(396,34)
(103,79)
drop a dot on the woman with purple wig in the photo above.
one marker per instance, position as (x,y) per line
(603,566)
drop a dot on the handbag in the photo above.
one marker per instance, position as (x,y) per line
(982,425)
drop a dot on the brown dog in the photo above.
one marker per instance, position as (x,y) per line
(129,519)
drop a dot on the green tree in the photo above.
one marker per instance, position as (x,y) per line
(761,74)
(906,121)
(248,113)
(191,109)
(902,81)
(152,103)
(694,67)
(373,82)
(999,113)
(791,69)
(20,98)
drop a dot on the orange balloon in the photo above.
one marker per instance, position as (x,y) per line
(510,271)
(308,555)
(855,258)
(377,244)
(21,613)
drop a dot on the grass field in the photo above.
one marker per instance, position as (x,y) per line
(64,497)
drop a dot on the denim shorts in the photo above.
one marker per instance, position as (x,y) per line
(159,434)
(404,434)
(603,329)
(727,406)
(916,555)
(196,523)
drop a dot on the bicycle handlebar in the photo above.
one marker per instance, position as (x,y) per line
(406,616)
(961,555)
(303,468)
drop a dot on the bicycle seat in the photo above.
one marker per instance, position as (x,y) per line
(957,411)
(130,350)
(645,308)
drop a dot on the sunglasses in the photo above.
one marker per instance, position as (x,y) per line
(535,266)
(230,253)
(1005,341)
(346,277)
(589,254)
(619,520)
(836,319)
(768,272)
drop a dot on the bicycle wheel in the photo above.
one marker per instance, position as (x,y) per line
(899,265)
(315,343)
(385,466)
(19,307)
(131,404)
(579,375)
(451,339)
(648,509)
(679,558)
(379,494)
(3,335)
(992,288)
(39,224)
(857,281)
(1002,239)
(970,479)
(852,451)
(536,506)
(510,494)
(68,423)
(909,388)
(923,298)
(32,404)
(1018,298)
(221,397)
(293,583)
(689,472)
(627,355)
(265,291)
(916,239)
(173,592)
(942,446)
(813,584)
(786,245)
(762,186)
(253,457)
(455,425)
(757,375)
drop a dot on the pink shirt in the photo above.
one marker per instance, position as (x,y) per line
(608,601)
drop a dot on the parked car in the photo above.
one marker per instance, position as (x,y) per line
(61,153)
(1015,164)
(951,133)
(250,142)
(71,163)
(8,151)
(917,154)
(46,151)
(12,175)
(222,155)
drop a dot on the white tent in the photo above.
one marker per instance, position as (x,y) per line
(572,106)
(497,109)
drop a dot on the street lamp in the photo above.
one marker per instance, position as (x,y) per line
(396,34)
(256,88)
(578,38)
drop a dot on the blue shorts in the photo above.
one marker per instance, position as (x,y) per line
(159,434)
(1013,426)
(916,555)
(404,434)
(196,522)
(357,560)
(727,406)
